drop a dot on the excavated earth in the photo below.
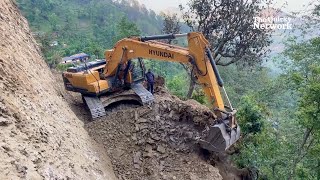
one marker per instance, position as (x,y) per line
(152,142)
(156,142)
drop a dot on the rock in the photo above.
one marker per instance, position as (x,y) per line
(134,137)
(161,166)
(137,166)
(212,169)
(136,158)
(6,148)
(137,127)
(150,141)
(155,137)
(164,106)
(127,134)
(189,134)
(142,120)
(4,122)
(156,108)
(21,169)
(172,130)
(140,142)
(71,165)
(172,138)
(136,115)
(148,148)
(161,145)
(143,126)
(169,108)
(161,149)
(171,114)
(193,177)
(148,154)
(161,121)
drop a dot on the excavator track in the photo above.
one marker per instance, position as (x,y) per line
(95,106)
(145,96)
(137,93)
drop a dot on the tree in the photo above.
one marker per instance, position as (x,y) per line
(125,28)
(79,24)
(228,25)
(53,20)
(54,60)
(250,116)
(171,25)
(304,73)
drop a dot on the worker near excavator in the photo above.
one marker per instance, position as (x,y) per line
(150,80)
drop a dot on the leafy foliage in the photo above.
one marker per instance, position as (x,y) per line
(304,73)
(126,29)
(86,26)
(171,24)
(287,146)
(250,116)
(228,25)
(177,85)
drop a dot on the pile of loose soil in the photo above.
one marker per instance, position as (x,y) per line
(157,141)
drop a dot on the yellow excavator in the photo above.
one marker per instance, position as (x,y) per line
(118,78)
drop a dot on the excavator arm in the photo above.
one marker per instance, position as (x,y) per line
(98,83)
(221,135)
(196,54)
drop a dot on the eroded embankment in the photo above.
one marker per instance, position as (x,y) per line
(40,136)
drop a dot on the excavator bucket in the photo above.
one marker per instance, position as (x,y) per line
(219,137)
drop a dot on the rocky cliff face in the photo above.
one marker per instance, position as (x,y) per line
(40,136)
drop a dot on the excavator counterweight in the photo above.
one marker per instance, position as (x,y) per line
(104,83)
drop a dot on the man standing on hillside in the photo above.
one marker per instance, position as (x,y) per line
(150,80)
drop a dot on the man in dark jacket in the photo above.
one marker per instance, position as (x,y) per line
(150,80)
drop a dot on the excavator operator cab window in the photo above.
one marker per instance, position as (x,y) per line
(138,70)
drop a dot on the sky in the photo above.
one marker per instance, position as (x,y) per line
(163,5)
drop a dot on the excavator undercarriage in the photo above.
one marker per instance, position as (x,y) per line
(137,94)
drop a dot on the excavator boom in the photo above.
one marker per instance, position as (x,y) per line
(217,137)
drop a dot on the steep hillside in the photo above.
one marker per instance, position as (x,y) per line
(40,136)
(83,25)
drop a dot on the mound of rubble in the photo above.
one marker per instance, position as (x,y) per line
(156,142)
